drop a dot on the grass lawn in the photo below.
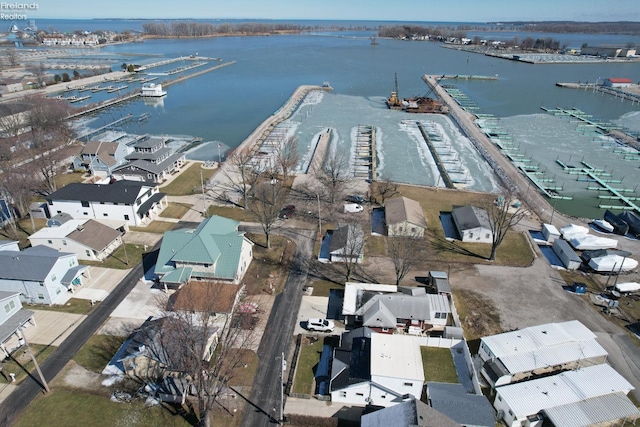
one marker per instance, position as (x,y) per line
(269,266)
(158,227)
(307,359)
(375,246)
(438,365)
(478,314)
(243,377)
(23,231)
(98,351)
(176,210)
(119,258)
(68,178)
(321,288)
(188,182)
(238,214)
(20,363)
(70,408)
(73,306)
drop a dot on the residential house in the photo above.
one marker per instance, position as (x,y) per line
(214,251)
(10,85)
(410,413)
(525,403)
(9,245)
(101,157)
(87,238)
(380,369)
(135,202)
(538,350)
(40,274)
(13,318)
(404,217)
(453,401)
(152,161)
(472,224)
(409,310)
(347,244)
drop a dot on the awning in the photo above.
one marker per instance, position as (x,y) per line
(72,274)
(15,322)
(146,206)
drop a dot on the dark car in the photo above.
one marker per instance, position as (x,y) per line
(354,198)
(287,212)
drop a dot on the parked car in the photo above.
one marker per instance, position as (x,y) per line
(320,325)
(352,208)
(355,198)
(287,212)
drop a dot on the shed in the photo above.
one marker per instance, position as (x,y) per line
(569,258)
(440,281)
(550,232)
(473,224)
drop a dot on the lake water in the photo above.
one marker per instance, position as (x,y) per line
(224,106)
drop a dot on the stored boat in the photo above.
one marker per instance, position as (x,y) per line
(619,226)
(633,221)
(152,90)
(604,225)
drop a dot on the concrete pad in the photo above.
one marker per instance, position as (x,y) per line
(52,327)
(142,238)
(313,307)
(316,408)
(141,302)
(92,294)
(120,326)
(104,278)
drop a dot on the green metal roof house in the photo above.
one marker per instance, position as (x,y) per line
(215,250)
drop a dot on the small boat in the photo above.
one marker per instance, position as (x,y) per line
(619,226)
(604,225)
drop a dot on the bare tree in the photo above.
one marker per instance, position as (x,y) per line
(242,174)
(266,203)
(503,214)
(384,189)
(334,176)
(286,156)
(347,243)
(12,57)
(198,341)
(406,252)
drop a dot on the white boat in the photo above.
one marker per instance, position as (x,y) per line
(612,264)
(627,287)
(573,230)
(588,242)
(152,90)
(603,225)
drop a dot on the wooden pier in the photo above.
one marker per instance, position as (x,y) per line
(436,157)
(364,161)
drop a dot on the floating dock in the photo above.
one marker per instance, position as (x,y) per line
(436,157)
(364,158)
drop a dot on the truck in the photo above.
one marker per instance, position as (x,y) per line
(352,208)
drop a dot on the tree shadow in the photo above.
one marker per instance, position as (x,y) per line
(442,245)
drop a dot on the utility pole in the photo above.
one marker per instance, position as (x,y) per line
(23,340)
(283,366)
(319,218)
(204,202)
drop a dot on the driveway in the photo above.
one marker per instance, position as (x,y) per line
(314,307)
(52,327)
(142,302)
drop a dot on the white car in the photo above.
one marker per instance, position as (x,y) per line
(352,208)
(320,325)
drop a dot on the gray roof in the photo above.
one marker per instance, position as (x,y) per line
(150,143)
(404,209)
(378,315)
(148,156)
(122,191)
(4,294)
(150,166)
(10,325)
(470,217)
(348,237)
(467,409)
(33,263)
(412,413)
(94,235)
(595,410)
(148,204)
(347,337)
(398,305)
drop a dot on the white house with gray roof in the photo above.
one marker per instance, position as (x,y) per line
(404,217)
(151,161)
(136,203)
(472,224)
(12,319)
(87,238)
(101,157)
(215,250)
(40,275)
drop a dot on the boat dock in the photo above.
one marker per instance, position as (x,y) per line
(444,174)
(615,92)
(585,121)
(87,135)
(468,77)
(319,152)
(364,158)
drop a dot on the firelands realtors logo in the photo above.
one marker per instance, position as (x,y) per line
(16,11)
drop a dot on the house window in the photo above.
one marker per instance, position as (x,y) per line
(385,329)
(343,394)
(471,235)
(102,203)
(486,236)
(138,202)
(64,243)
(126,217)
(58,211)
(40,296)
(115,203)
(105,214)
(88,252)
(413,229)
(7,308)
(50,202)
(84,204)
(360,394)
(408,384)
(400,229)
(50,242)
(85,213)
(500,398)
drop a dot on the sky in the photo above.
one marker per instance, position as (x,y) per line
(382,10)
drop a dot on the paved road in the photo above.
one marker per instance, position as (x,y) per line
(18,400)
(265,393)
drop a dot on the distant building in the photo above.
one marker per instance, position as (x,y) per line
(472,223)
(617,82)
(10,85)
(608,52)
(404,217)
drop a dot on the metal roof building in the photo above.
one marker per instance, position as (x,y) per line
(596,410)
(524,401)
(516,355)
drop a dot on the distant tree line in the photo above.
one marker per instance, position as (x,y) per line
(203,29)
(400,31)
(631,28)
